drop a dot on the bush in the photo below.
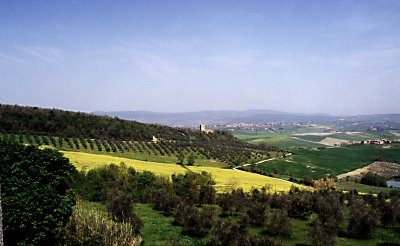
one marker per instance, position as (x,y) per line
(35,197)
(91,227)
(120,207)
(300,205)
(226,232)
(319,234)
(363,221)
(279,223)
(194,221)
(330,215)
(374,180)
(256,212)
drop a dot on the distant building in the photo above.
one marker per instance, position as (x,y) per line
(377,142)
(203,129)
(155,140)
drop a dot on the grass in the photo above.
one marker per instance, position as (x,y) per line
(347,186)
(225,178)
(284,141)
(283,137)
(159,230)
(331,161)
(312,137)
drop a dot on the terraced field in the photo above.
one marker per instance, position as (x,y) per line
(225,178)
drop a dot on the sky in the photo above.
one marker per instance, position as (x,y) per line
(304,56)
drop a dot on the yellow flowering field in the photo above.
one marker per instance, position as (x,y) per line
(225,178)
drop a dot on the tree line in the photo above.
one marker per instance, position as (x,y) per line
(91,130)
(226,218)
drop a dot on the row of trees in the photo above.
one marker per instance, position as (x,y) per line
(231,155)
(193,203)
(75,127)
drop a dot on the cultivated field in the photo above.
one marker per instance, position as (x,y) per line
(225,178)
(321,162)
(384,169)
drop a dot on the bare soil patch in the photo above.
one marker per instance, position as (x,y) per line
(333,141)
(313,134)
(385,169)
(396,134)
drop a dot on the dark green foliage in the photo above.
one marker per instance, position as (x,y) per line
(256,210)
(196,187)
(373,179)
(232,203)
(319,236)
(70,125)
(363,221)
(191,159)
(35,200)
(300,205)
(279,223)
(330,215)
(163,200)
(227,232)
(390,211)
(194,221)
(181,158)
(94,184)
(120,207)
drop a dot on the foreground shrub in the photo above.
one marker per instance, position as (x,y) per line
(300,205)
(35,198)
(279,223)
(226,232)
(325,227)
(91,227)
(194,221)
(120,207)
(319,235)
(363,221)
(256,212)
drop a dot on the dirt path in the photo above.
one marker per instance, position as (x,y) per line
(305,140)
(247,164)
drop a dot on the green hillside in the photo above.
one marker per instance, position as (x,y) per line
(85,132)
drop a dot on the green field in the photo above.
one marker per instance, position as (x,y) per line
(312,138)
(159,230)
(284,137)
(283,141)
(318,163)
(348,186)
(225,178)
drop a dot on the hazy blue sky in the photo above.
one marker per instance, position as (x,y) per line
(340,57)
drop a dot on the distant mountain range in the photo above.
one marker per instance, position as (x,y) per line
(209,117)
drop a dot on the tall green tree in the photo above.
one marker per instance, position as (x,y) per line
(1,222)
(181,158)
(35,198)
(191,159)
